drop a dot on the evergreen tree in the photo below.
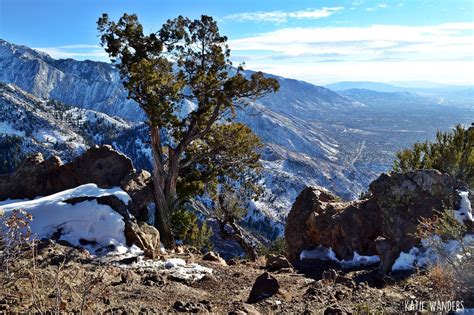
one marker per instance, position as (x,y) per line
(451,153)
(187,60)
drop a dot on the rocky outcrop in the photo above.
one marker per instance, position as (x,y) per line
(382,225)
(102,166)
(214,257)
(277,262)
(39,177)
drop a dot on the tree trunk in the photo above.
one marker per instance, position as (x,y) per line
(163,206)
(238,236)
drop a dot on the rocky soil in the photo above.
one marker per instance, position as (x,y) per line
(69,279)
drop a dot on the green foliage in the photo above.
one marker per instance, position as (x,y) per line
(187,228)
(451,152)
(443,225)
(228,153)
(10,153)
(276,247)
(439,230)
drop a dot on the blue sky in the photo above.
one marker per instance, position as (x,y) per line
(318,41)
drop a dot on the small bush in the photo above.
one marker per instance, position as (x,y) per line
(188,229)
(277,247)
(453,274)
(450,152)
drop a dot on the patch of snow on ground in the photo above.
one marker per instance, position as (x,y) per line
(325,253)
(87,220)
(7,129)
(464,212)
(175,267)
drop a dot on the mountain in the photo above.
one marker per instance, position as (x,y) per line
(86,84)
(364,85)
(452,95)
(312,135)
(29,124)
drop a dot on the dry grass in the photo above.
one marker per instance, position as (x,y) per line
(51,289)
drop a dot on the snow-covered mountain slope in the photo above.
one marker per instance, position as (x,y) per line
(38,125)
(86,84)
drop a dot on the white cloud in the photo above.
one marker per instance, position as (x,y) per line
(281,16)
(384,51)
(76,51)
(383,5)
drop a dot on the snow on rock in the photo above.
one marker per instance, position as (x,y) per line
(360,260)
(98,224)
(320,252)
(464,212)
(325,253)
(433,251)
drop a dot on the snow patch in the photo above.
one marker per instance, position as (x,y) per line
(175,267)
(464,212)
(99,225)
(427,255)
(325,253)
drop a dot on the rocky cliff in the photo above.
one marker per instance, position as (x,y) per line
(383,225)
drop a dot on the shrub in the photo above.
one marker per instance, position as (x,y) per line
(451,273)
(451,153)
(188,229)
(276,247)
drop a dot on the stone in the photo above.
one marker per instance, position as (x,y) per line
(277,262)
(329,275)
(334,310)
(214,257)
(139,186)
(192,307)
(296,236)
(129,277)
(265,286)
(245,309)
(145,236)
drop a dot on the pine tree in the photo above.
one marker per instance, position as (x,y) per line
(187,60)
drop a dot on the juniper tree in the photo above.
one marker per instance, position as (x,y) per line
(186,61)
(450,152)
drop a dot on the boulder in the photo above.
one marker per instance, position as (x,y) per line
(404,198)
(310,199)
(277,262)
(39,177)
(214,257)
(145,236)
(383,224)
(265,286)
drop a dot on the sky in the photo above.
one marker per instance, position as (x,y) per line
(319,41)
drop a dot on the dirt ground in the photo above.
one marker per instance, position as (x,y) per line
(67,279)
